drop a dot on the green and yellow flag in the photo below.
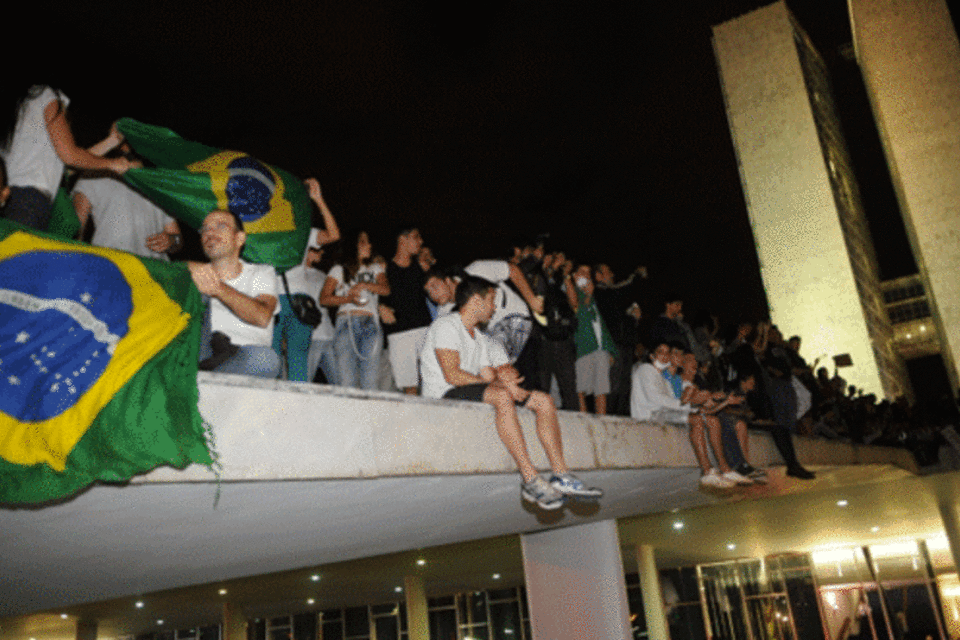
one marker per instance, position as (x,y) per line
(191,179)
(98,366)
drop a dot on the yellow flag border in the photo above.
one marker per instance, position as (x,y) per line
(153,324)
(280,218)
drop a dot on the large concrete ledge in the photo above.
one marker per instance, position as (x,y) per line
(276,430)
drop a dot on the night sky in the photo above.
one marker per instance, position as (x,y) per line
(600,123)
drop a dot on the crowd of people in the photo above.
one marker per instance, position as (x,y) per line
(530,328)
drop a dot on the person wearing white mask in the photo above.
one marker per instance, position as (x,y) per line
(595,347)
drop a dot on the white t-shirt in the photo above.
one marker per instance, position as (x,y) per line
(366,273)
(507,301)
(254,280)
(475,352)
(31,159)
(123,218)
(307,280)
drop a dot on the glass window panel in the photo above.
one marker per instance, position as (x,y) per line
(333,630)
(911,611)
(445,601)
(387,629)
(211,632)
(283,621)
(802,595)
(475,632)
(305,626)
(502,594)
(898,561)
(770,618)
(186,634)
(257,630)
(478,607)
(331,614)
(686,621)
(463,607)
(356,621)
(505,620)
(443,625)
(524,610)
(840,567)
(632,578)
(403,616)
(281,633)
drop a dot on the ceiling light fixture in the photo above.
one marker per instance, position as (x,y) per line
(842,503)
(310,600)
(222,592)
(139,604)
(421,562)
(731,546)
(678,525)
(159,621)
(398,589)
(315,577)
(496,576)
(64,616)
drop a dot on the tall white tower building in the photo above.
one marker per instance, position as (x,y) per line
(816,256)
(909,57)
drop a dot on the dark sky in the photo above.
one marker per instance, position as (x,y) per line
(601,123)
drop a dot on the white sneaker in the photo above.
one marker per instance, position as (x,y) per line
(713,480)
(737,478)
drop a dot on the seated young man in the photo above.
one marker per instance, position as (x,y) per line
(652,397)
(460,362)
(242,301)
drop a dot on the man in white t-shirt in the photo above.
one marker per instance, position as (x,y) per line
(242,302)
(123,219)
(460,362)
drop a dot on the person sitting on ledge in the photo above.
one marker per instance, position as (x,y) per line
(237,334)
(460,362)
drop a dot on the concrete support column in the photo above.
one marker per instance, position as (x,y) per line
(418,622)
(951,526)
(653,609)
(575,584)
(234,623)
(86,630)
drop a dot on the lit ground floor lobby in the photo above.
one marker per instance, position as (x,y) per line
(372,522)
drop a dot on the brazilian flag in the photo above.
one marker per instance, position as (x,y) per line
(191,180)
(98,366)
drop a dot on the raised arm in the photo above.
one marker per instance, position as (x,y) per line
(520,281)
(66,147)
(330,232)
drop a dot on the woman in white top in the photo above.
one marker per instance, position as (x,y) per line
(37,146)
(355,286)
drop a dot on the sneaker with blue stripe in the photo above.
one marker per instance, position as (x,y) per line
(570,485)
(542,493)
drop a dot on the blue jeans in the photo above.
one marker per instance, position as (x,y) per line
(358,343)
(250,360)
(322,354)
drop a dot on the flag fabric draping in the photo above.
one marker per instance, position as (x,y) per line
(98,366)
(190,179)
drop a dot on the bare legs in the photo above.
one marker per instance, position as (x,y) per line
(599,403)
(508,428)
(700,427)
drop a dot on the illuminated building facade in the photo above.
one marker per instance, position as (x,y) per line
(909,57)
(816,257)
